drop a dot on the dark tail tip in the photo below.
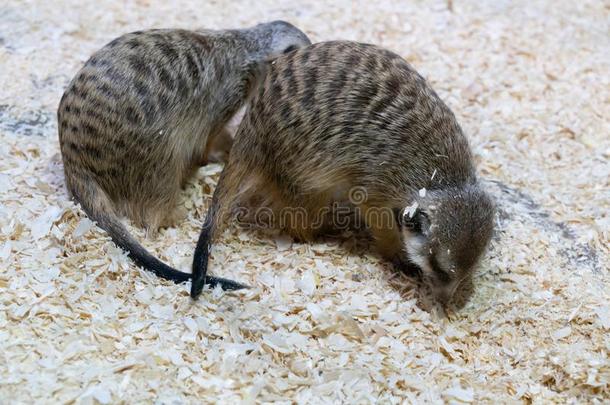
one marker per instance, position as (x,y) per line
(197,285)
(225,284)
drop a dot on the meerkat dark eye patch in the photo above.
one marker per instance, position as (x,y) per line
(418,223)
(290,49)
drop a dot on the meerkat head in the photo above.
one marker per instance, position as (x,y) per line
(445,234)
(276,38)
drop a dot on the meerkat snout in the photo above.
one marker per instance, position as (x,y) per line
(446,237)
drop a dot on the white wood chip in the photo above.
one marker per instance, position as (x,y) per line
(562,333)
(42,225)
(459,394)
(603,313)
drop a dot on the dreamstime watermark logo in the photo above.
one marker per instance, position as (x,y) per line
(344,214)
(357,195)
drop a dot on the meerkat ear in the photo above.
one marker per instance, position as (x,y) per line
(418,222)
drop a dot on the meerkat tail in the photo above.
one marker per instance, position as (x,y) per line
(204,247)
(215,217)
(98,207)
(202,253)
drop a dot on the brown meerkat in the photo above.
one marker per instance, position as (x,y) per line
(145,112)
(344,122)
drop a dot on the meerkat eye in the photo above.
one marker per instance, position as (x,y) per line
(290,49)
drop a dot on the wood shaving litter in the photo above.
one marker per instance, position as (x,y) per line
(326,322)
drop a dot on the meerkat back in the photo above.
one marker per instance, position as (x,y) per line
(139,118)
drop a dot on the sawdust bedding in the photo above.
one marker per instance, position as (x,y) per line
(325,322)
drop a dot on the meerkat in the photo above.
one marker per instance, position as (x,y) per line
(146,111)
(345,122)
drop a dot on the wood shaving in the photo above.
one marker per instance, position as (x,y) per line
(326,322)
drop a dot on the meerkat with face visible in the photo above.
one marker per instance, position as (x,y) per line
(145,112)
(338,117)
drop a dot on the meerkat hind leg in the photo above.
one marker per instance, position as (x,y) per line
(156,206)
